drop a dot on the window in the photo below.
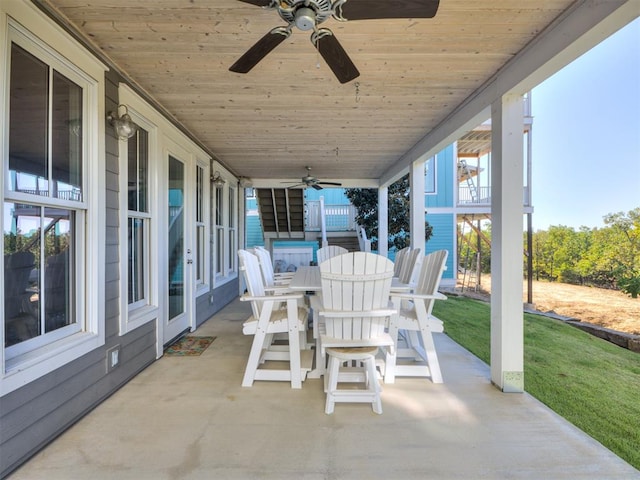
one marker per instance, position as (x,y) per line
(138,220)
(220,233)
(40,234)
(231,215)
(53,241)
(226,231)
(200,228)
(430,175)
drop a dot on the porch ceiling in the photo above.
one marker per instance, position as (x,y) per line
(288,112)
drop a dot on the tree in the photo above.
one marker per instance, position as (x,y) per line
(365,200)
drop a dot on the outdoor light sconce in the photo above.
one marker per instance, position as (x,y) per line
(217,180)
(123,126)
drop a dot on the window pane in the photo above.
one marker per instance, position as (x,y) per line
(137,170)
(176,237)
(219,206)
(199,193)
(430,175)
(232,252)
(136,265)
(66,140)
(21,272)
(59,291)
(28,107)
(219,251)
(232,207)
(200,254)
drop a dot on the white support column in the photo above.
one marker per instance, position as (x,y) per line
(417,221)
(383,220)
(507,342)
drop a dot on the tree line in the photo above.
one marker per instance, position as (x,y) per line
(606,257)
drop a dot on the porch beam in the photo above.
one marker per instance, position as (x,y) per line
(507,332)
(383,220)
(417,212)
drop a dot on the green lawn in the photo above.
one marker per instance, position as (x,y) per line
(592,383)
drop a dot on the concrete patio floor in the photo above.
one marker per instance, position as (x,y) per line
(189,418)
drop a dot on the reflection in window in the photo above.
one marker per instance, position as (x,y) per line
(38,271)
(35,168)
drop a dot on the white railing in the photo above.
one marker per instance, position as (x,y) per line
(482,195)
(338,218)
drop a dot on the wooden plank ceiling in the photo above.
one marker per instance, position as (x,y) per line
(290,111)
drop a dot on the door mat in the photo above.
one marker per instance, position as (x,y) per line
(189,346)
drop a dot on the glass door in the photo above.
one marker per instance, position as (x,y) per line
(179,271)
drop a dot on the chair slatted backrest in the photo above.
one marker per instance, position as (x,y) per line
(266,267)
(325,253)
(409,262)
(351,283)
(250,267)
(433,266)
(399,261)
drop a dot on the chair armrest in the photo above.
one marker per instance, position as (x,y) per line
(350,313)
(265,298)
(278,289)
(418,296)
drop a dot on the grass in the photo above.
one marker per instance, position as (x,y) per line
(592,383)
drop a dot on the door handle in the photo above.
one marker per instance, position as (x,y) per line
(189,262)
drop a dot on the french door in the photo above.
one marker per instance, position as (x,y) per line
(179,274)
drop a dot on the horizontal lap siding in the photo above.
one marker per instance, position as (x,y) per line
(222,296)
(37,413)
(443,239)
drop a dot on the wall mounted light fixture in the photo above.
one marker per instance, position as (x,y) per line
(217,179)
(123,125)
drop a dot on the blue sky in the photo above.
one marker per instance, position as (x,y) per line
(586,136)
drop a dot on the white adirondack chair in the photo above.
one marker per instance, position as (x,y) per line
(265,323)
(325,253)
(355,310)
(413,326)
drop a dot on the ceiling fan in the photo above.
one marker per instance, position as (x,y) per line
(308,14)
(310,181)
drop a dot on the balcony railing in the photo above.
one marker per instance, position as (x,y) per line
(482,195)
(338,218)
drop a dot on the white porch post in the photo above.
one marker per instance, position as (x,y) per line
(417,220)
(507,343)
(383,220)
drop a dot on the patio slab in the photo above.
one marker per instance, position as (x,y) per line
(189,418)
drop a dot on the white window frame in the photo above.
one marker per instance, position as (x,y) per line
(434,161)
(224,249)
(139,313)
(18,21)
(202,255)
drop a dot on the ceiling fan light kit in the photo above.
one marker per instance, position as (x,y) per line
(308,14)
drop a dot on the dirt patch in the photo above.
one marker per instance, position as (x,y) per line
(607,308)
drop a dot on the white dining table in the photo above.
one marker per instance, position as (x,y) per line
(307,279)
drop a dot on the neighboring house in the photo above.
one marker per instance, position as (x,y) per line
(458,197)
(112,248)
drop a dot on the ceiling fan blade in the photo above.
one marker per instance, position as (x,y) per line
(379,9)
(316,186)
(260,50)
(335,56)
(331,183)
(258,3)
